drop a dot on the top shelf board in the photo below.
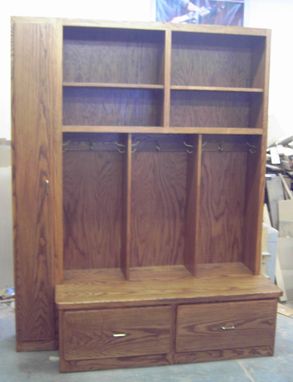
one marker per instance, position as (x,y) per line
(210,29)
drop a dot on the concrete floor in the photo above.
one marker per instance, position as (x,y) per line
(43,366)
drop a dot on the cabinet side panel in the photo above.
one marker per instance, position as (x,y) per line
(256,172)
(36,121)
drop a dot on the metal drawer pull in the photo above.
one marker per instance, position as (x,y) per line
(228,327)
(46,185)
(119,335)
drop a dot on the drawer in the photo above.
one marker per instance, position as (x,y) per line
(225,325)
(107,333)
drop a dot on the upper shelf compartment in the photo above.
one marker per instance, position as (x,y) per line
(112,56)
(216,60)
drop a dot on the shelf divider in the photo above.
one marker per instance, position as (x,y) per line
(192,207)
(126,208)
(167,78)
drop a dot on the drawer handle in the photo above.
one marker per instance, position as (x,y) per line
(46,183)
(119,335)
(228,327)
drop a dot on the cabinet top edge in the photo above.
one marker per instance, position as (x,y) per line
(151,25)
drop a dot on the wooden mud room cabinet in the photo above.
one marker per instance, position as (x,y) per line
(138,170)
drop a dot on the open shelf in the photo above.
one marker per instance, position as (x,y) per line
(215,108)
(217,60)
(111,55)
(107,106)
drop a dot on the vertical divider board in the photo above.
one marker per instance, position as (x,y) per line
(192,206)
(167,78)
(253,211)
(126,208)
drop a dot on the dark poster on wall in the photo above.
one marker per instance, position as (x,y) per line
(228,12)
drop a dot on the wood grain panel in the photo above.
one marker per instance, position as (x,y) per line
(40,345)
(223,354)
(212,60)
(91,334)
(222,206)
(92,187)
(214,109)
(36,120)
(114,363)
(158,202)
(225,325)
(113,55)
(130,107)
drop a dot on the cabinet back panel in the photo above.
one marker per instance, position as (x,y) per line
(92,189)
(215,60)
(158,207)
(222,206)
(108,107)
(112,55)
(214,109)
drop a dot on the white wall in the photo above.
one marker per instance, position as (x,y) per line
(278,16)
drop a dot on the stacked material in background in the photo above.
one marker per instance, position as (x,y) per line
(279,199)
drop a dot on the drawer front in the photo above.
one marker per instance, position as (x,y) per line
(116,332)
(225,325)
